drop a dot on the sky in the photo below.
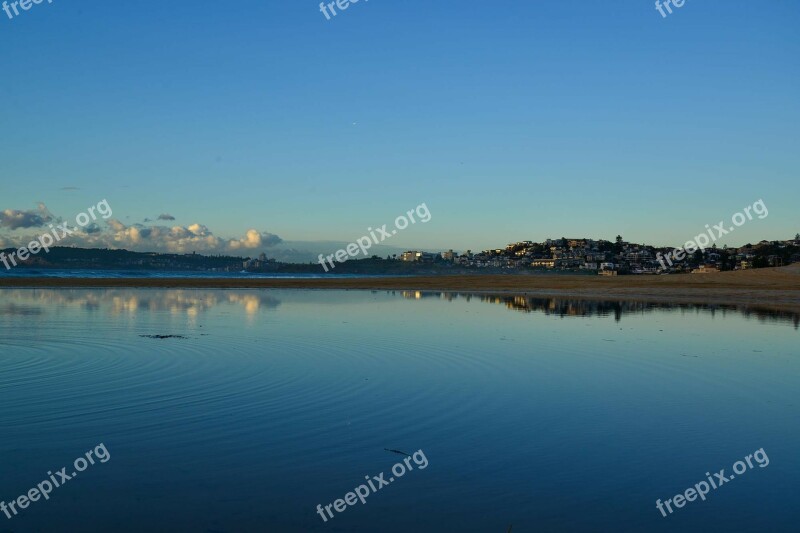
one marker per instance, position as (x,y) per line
(264,123)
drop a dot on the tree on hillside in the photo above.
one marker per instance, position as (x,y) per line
(760,262)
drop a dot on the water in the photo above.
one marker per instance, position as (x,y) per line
(569,416)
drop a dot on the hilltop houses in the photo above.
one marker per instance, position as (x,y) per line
(618,257)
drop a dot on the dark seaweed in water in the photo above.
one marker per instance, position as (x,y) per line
(164,336)
(398,452)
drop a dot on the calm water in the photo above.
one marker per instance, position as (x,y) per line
(568,416)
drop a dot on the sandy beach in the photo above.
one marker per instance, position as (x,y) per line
(774,288)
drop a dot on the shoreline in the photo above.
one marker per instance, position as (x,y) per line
(770,288)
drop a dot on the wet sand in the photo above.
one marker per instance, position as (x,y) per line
(775,288)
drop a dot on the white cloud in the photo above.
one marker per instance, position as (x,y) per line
(17,219)
(254,239)
(114,234)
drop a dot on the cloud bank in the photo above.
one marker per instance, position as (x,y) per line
(114,234)
(16,219)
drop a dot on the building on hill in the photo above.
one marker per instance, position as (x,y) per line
(706,269)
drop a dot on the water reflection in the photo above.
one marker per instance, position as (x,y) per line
(194,302)
(565,307)
(290,393)
(13,309)
(191,303)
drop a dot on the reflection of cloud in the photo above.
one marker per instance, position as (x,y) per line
(129,304)
(191,303)
(19,310)
(252,303)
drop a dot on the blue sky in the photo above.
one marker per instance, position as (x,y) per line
(510,120)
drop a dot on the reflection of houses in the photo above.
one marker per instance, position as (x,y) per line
(419,295)
(581,308)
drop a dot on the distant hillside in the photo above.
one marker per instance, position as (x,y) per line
(105,259)
(96,258)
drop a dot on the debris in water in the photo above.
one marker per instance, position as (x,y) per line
(398,451)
